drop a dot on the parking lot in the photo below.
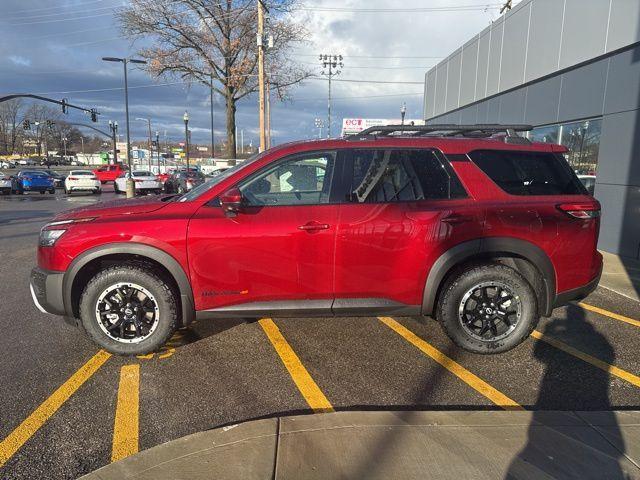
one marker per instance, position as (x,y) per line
(67,408)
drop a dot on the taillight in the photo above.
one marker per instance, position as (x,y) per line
(73,178)
(583,211)
(137,181)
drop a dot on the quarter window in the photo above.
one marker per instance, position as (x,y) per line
(401,176)
(300,180)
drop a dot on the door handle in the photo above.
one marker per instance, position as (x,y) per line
(453,219)
(312,226)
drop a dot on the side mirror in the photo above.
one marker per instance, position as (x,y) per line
(231,201)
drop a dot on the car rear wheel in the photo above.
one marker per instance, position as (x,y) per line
(488,308)
(129,310)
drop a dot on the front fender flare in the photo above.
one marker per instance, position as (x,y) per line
(143,250)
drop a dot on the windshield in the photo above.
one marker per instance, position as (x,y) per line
(142,173)
(204,187)
(81,172)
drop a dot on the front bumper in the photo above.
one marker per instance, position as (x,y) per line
(46,291)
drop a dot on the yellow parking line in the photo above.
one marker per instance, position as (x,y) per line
(596,362)
(125,427)
(454,367)
(607,313)
(23,432)
(301,377)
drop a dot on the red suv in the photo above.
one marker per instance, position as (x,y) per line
(473,225)
(109,173)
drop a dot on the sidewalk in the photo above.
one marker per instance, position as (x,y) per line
(408,445)
(622,275)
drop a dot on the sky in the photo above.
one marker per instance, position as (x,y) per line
(54,47)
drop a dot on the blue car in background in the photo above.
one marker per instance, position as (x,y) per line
(32,181)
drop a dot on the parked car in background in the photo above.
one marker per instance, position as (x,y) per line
(77,163)
(27,161)
(181,181)
(58,178)
(143,181)
(7,164)
(589,182)
(109,173)
(218,171)
(5,184)
(50,161)
(82,181)
(32,181)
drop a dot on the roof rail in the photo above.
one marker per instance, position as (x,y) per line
(479,130)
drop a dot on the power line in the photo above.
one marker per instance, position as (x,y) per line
(370,56)
(52,7)
(460,8)
(353,80)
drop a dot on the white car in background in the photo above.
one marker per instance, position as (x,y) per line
(143,180)
(5,184)
(82,181)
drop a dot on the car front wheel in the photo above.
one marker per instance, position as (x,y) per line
(129,309)
(488,308)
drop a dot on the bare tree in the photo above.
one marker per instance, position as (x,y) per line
(10,119)
(41,133)
(214,42)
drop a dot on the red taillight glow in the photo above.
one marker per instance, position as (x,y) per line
(73,178)
(583,211)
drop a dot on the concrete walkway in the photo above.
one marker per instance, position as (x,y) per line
(404,445)
(622,275)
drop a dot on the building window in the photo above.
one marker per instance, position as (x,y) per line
(583,141)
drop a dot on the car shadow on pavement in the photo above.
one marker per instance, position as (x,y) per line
(197,331)
(569,461)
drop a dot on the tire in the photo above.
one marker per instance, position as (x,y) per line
(140,275)
(66,192)
(52,191)
(98,191)
(115,188)
(42,192)
(456,302)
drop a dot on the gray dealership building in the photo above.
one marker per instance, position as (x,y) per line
(571,68)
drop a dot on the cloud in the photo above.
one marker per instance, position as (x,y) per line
(18,60)
(56,48)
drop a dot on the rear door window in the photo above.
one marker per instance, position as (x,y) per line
(529,173)
(381,176)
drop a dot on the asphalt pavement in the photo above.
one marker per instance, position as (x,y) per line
(66,409)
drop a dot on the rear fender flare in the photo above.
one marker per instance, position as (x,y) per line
(493,246)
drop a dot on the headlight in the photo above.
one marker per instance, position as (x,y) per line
(48,237)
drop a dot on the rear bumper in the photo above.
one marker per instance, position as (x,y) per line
(579,293)
(46,291)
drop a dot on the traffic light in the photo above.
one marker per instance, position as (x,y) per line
(65,109)
(26,125)
(94,115)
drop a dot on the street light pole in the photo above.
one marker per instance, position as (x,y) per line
(403,111)
(125,61)
(186,137)
(158,147)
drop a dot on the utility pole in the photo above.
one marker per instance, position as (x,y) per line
(158,147)
(242,141)
(213,151)
(261,103)
(330,63)
(268,113)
